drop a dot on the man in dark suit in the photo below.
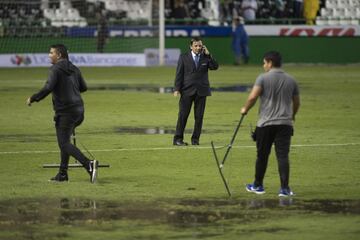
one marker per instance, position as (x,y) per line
(192,83)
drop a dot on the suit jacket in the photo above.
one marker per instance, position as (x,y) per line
(190,80)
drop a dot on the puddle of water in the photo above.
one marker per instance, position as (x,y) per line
(150,88)
(122,130)
(184,219)
(234,88)
(138,130)
(125,87)
(26,138)
(326,206)
(156,130)
(67,211)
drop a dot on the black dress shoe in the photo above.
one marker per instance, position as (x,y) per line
(180,143)
(60,177)
(195,142)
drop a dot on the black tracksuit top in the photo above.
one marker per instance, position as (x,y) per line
(66,83)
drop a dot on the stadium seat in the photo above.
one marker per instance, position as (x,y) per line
(146,7)
(354,3)
(331,4)
(339,15)
(65,4)
(349,12)
(60,19)
(211,12)
(61,13)
(342,3)
(35,12)
(138,10)
(44,5)
(73,14)
(325,12)
(111,5)
(49,13)
(122,5)
(74,18)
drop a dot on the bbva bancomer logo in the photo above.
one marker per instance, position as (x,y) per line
(30,59)
(21,60)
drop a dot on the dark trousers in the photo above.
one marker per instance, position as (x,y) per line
(185,104)
(297,8)
(265,137)
(65,126)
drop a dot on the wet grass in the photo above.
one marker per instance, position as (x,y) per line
(156,191)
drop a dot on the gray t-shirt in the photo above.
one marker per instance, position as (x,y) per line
(278,89)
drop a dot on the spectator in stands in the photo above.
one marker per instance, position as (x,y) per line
(226,11)
(168,9)
(193,6)
(311,7)
(155,9)
(248,9)
(279,8)
(91,11)
(22,13)
(298,8)
(102,31)
(240,41)
(180,11)
(236,10)
(264,10)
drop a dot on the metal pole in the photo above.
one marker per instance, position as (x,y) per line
(232,141)
(151,13)
(220,171)
(161,32)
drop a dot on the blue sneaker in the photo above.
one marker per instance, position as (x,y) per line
(257,190)
(286,192)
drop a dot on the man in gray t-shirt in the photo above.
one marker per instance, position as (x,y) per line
(279,103)
(279,88)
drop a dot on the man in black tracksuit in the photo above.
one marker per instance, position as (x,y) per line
(65,82)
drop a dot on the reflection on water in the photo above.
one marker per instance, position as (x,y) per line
(151,88)
(157,130)
(67,211)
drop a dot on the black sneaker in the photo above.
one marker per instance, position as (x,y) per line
(93,167)
(60,177)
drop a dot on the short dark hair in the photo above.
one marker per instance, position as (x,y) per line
(61,50)
(194,39)
(274,57)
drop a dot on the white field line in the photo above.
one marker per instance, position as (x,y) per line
(178,148)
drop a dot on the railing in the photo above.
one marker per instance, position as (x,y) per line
(44,27)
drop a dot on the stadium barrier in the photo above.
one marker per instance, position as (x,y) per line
(298,43)
(150,57)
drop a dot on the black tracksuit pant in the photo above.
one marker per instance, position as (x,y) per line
(65,126)
(280,135)
(185,104)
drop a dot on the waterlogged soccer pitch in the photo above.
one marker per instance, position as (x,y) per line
(156,191)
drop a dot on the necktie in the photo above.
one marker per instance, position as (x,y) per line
(196,60)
